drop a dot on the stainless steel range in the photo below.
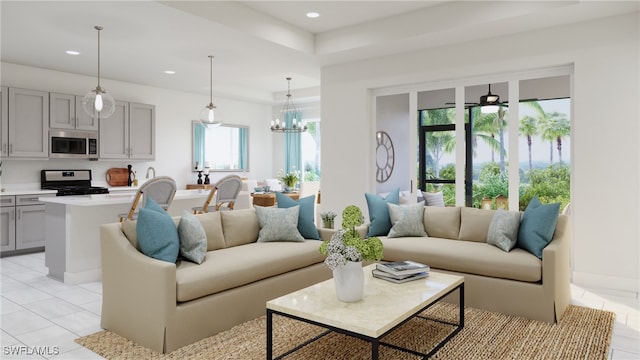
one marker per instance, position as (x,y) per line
(70,182)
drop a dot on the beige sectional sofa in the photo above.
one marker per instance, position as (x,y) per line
(164,306)
(515,282)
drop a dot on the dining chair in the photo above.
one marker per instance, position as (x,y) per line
(309,188)
(225,192)
(161,189)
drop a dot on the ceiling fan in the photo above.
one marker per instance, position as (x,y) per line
(489,102)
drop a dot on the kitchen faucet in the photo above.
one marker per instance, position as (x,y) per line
(154,172)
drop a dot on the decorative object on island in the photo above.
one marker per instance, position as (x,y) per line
(208,114)
(129,172)
(288,180)
(486,203)
(502,202)
(97,102)
(345,252)
(328,219)
(289,115)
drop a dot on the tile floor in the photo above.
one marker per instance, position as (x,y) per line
(43,316)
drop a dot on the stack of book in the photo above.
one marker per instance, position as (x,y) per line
(401,271)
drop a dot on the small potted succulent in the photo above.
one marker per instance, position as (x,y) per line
(328,219)
(345,252)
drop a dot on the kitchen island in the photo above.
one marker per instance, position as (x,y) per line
(72,227)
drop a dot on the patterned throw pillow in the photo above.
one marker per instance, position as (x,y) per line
(537,226)
(278,224)
(379,214)
(503,229)
(157,233)
(433,199)
(406,220)
(193,239)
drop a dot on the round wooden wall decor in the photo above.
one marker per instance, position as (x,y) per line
(385,156)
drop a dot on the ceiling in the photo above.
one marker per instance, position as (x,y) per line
(257,44)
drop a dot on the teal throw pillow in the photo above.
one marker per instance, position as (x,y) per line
(537,226)
(193,238)
(306,221)
(278,224)
(380,223)
(407,220)
(157,233)
(503,229)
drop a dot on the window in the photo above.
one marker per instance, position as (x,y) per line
(310,151)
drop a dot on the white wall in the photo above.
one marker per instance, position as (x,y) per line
(174,113)
(392,114)
(605,151)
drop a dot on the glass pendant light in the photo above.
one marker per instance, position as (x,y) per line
(97,102)
(209,115)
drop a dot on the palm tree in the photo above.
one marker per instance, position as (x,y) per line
(528,128)
(486,127)
(553,128)
(440,142)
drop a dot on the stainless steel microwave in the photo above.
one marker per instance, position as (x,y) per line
(73,144)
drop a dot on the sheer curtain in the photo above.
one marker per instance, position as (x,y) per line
(293,150)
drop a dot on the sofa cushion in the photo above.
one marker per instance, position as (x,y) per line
(278,224)
(239,227)
(157,233)
(306,220)
(212,224)
(236,266)
(466,257)
(379,214)
(193,239)
(537,226)
(503,229)
(442,222)
(407,220)
(433,199)
(474,224)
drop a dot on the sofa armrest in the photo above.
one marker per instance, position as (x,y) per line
(556,270)
(139,292)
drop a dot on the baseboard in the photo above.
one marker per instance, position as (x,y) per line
(589,280)
(82,277)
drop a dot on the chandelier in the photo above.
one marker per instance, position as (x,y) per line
(288,111)
(97,102)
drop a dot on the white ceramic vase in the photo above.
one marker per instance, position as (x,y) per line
(349,281)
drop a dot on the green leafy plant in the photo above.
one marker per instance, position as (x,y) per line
(346,244)
(289,179)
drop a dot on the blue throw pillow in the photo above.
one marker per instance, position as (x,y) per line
(193,238)
(306,223)
(379,214)
(537,226)
(157,233)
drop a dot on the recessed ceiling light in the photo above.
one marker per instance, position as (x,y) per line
(312,14)
(170,72)
(72,52)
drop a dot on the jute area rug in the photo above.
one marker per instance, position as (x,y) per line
(583,333)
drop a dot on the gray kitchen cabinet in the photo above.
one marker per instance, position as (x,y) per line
(129,133)
(4,115)
(23,223)
(65,112)
(28,123)
(7,223)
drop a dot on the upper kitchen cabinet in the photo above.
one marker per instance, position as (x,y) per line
(4,115)
(28,124)
(65,112)
(129,133)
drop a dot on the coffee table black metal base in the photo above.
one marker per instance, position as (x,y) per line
(375,342)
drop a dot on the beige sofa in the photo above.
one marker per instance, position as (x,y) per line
(164,306)
(515,282)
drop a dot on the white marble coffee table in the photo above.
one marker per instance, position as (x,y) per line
(384,307)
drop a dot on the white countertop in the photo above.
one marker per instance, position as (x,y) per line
(27,192)
(115,198)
